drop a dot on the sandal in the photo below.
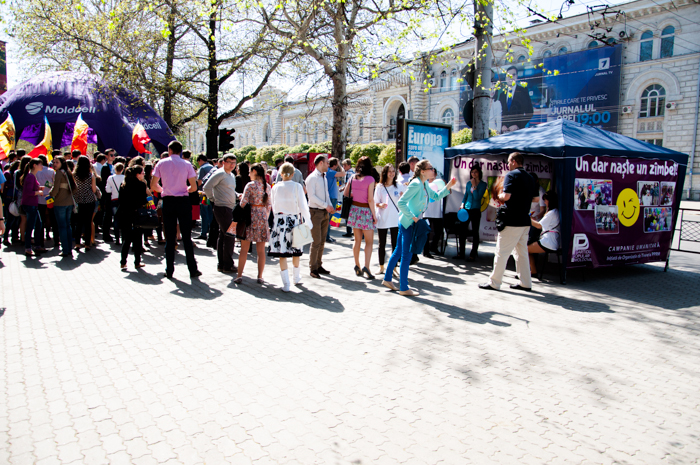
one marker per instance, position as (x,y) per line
(358,271)
(261,281)
(238,280)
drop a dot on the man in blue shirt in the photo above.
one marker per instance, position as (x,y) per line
(205,210)
(332,175)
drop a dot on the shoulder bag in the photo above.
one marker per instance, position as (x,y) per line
(392,200)
(75,205)
(347,203)
(301,234)
(14,205)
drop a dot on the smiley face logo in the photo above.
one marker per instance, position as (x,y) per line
(485,200)
(628,207)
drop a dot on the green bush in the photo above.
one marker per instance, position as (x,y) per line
(323,147)
(301,148)
(462,137)
(242,153)
(268,154)
(366,150)
(388,155)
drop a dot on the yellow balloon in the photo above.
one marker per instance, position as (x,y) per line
(628,207)
(485,200)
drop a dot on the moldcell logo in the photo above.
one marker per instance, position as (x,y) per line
(35,107)
(155,125)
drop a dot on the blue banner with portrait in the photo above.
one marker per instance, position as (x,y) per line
(581,86)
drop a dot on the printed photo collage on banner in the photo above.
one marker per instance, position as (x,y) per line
(624,215)
(494,169)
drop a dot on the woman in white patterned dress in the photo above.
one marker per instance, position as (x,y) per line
(290,209)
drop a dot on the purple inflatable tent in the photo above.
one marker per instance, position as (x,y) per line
(109,110)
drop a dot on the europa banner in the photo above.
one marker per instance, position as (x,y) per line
(494,167)
(623,210)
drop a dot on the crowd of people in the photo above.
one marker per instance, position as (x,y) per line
(136,203)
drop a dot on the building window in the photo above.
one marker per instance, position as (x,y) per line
(288,138)
(266,133)
(443,81)
(325,130)
(349,129)
(547,54)
(667,41)
(361,131)
(453,79)
(448,117)
(646,45)
(563,50)
(315,133)
(304,136)
(659,142)
(593,44)
(653,100)
(296,137)
(521,58)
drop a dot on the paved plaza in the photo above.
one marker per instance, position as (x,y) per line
(105,367)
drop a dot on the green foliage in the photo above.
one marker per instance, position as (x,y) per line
(462,137)
(242,153)
(266,154)
(323,147)
(366,150)
(301,148)
(388,155)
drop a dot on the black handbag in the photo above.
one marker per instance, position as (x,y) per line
(347,203)
(146,218)
(501,215)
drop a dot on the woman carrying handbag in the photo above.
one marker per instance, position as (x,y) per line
(291,211)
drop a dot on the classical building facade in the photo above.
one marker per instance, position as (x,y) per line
(659,76)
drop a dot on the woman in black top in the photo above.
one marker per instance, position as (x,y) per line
(243,177)
(132,196)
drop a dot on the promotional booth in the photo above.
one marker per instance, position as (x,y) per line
(618,196)
(110,111)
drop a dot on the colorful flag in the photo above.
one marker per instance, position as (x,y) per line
(80,135)
(140,138)
(45,147)
(335,220)
(7,137)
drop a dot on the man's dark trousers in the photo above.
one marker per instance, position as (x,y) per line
(178,210)
(225,243)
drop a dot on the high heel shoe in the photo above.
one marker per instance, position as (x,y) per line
(366,272)
(358,271)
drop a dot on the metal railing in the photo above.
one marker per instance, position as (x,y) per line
(686,237)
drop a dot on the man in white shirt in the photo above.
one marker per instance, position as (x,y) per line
(112,186)
(221,189)
(321,208)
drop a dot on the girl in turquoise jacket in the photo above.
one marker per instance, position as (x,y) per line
(411,205)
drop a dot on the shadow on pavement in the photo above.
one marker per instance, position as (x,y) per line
(464,314)
(302,295)
(194,290)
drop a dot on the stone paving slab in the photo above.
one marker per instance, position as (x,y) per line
(105,367)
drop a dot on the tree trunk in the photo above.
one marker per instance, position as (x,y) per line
(340,111)
(483,31)
(213,104)
(169,61)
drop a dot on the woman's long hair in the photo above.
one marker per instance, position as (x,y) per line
(65,170)
(553,199)
(27,168)
(260,174)
(385,175)
(23,162)
(420,167)
(130,174)
(82,168)
(364,166)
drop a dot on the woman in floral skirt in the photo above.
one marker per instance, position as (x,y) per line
(257,194)
(290,208)
(363,217)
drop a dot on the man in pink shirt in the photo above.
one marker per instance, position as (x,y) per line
(174,174)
